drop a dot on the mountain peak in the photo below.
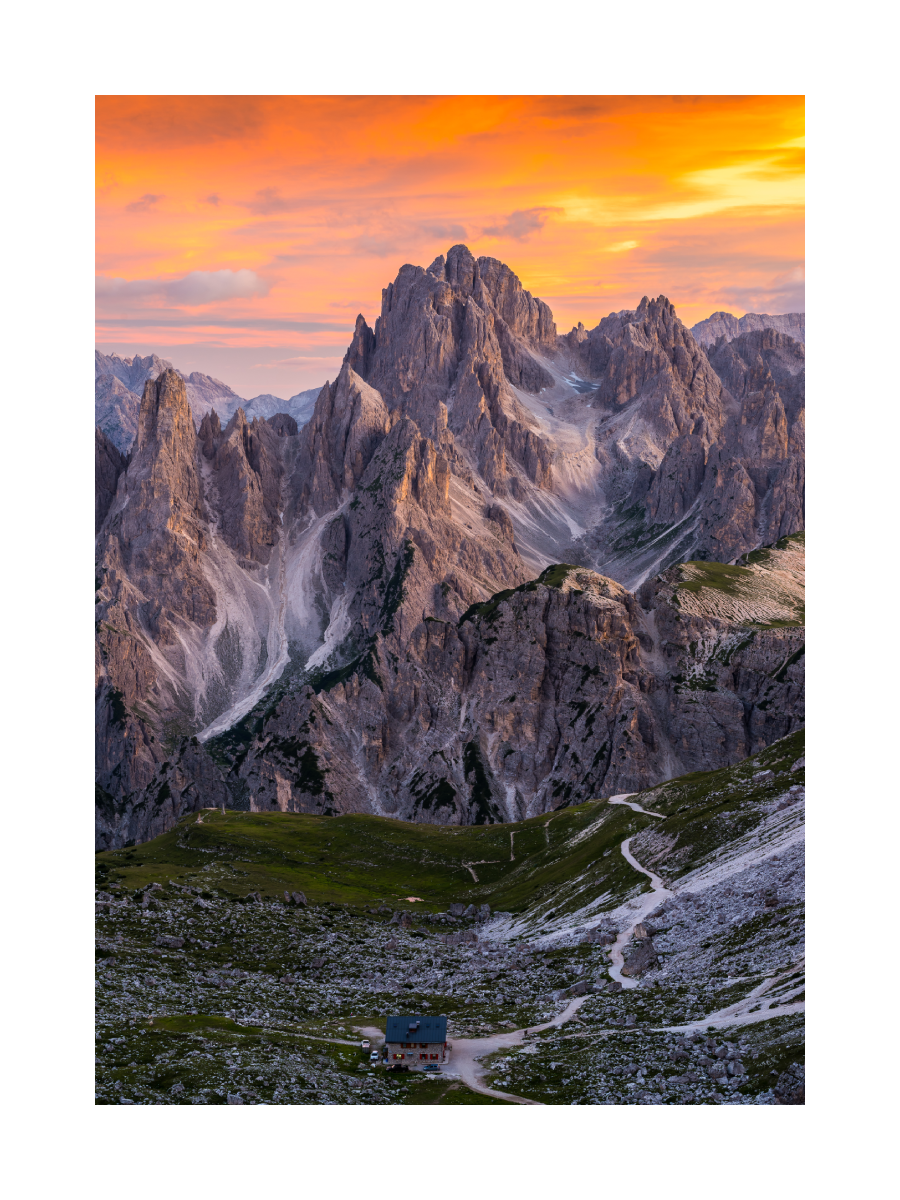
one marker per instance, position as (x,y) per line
(725,324)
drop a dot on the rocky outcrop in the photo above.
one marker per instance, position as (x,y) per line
(554,692)
(765,373)
(704,453)
(184,628)
(724,325)
(641,959)
(244,481)
(349,421)
(448,344)
(628,351)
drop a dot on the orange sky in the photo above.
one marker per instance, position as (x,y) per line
(240,236)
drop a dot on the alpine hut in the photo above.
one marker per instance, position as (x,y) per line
(416,1042)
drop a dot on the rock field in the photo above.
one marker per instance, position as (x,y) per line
(207,997)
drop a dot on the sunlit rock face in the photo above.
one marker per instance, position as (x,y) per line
(289,615)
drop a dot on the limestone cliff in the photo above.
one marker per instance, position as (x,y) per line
(551,693)
(358,615)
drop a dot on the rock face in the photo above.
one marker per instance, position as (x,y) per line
(183,627)
(108,466)
(445,351)
(359,615)
(704,454)
(723,324)
(562,689)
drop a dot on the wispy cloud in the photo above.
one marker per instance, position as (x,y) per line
(192,290)
(444,229)
(269,200)
(784,293)
(521,223)
(147,202)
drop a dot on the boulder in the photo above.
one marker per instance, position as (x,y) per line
(791,1085)
(643,958)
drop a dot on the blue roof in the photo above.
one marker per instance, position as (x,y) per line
(416,1029)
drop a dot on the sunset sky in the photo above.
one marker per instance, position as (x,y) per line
(240,236)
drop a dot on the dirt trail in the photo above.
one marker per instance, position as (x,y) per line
(644,904)
(735,1014)
(311,1037)
(739,1013)
(622,798)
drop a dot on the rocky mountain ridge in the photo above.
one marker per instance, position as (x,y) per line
(347,616)
(119,384)
(723,324)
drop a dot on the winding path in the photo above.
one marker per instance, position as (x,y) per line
(644,904)
(466,1051)
(622,798)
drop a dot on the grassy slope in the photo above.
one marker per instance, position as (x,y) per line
(361,860)
(761,576)
(564,857)
(709,809)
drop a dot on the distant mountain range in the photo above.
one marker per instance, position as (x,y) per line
(723,324)
(498,570)
(119,384)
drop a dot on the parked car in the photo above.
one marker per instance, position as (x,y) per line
(430,1067)
(365,1044)
(374,1056)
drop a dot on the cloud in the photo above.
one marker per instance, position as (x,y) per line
(173,121)
(195,288)
(381,247)
(213,199)
(268,201)
(208,287)
(446,229)
(146,202)
(521,223)
(149,319)
(785,292)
